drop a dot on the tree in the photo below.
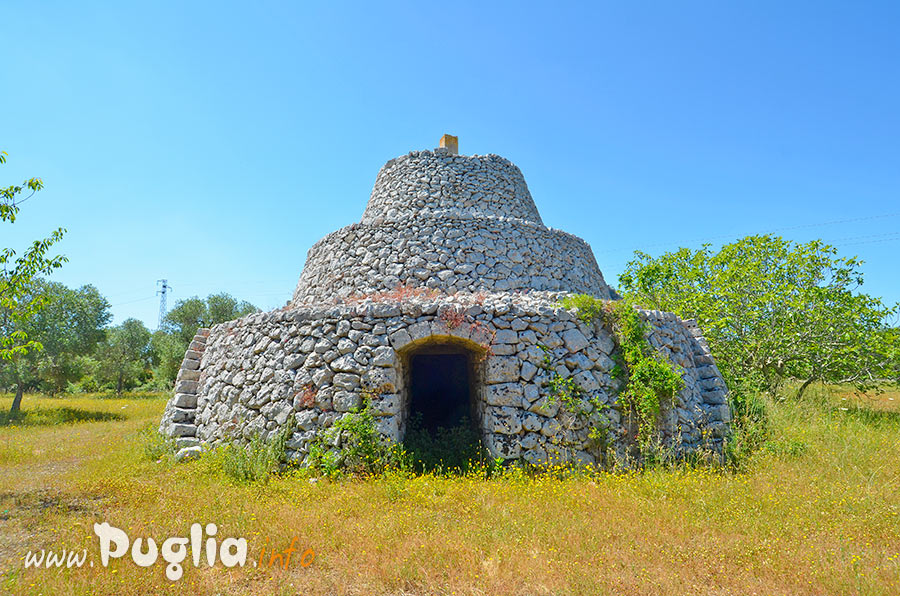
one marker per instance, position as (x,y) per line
(166,354)
(773,310)
(189,315)
(68,326)
(17,303)
(125,355)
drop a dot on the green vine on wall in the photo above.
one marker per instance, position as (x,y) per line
(648,378)
(588,407)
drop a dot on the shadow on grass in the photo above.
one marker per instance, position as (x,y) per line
(871,417)
(51,416)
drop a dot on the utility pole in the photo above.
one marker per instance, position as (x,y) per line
(165,287)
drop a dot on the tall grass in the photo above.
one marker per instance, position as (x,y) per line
(815,511)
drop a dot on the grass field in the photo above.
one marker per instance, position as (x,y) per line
(817,511)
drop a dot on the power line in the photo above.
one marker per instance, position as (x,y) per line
(771,231)
(133,301)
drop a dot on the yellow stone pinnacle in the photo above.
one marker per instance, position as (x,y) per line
(450,143)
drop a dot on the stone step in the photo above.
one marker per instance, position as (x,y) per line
(185,400)
(186,387)
(184,430)
(182,442)
(707,371)
(183,415)
(186,374)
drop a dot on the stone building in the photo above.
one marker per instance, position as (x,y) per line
(442,302)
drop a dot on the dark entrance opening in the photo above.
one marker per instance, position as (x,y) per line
(439,389)
(441,384)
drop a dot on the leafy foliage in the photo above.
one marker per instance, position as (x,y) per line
(251,463)
(189,315)
(125,355)
(353,445)
(773,310)
(17,301)
(68,327)
(166,353)
(447,450)
(648,377)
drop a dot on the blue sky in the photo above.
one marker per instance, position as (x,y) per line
(213,143)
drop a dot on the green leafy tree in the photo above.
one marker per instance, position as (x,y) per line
(773,310)
(166,354)
(125,355)
(17,302)
(189,315)
(68,326)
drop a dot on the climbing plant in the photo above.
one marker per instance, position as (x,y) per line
(588,407)
(647,377)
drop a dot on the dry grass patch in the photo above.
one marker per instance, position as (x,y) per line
(821,518)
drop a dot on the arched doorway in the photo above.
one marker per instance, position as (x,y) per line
(442,396)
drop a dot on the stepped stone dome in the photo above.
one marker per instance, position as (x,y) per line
(454,223)
(441,307)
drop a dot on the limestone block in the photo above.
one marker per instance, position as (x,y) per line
(183,415)
(384,356)
(188,453)
(504,394)
(346,381)
(188,375)
(503,446)
(387,404)
(503,420)
(389,427)
(382,380)
(186,387)
(574,340)
(344,401)
(715,397)
(536,456)
(501,369)
(586,381)
(182,430)
(182,442)
(185,400)
(506,336)
(532,422)
(400,338)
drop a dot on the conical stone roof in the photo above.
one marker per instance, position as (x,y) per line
(450,222)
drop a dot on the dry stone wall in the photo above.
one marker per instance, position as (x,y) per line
(437,184)
(451,222)
(455,256)
(315,364)
(450,251)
